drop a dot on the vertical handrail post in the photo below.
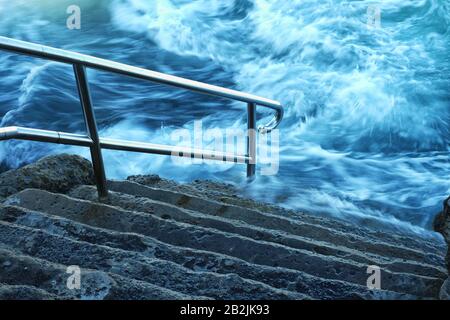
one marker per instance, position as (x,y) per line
(251,139)
(91,124)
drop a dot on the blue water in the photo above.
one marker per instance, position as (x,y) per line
(367,123)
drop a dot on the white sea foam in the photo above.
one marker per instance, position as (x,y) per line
(367,109)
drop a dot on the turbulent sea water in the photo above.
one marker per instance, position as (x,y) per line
(367,125)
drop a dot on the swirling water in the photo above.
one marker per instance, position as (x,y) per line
(367,125)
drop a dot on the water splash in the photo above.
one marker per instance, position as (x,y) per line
(367,109)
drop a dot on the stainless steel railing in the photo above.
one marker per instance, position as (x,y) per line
(80,62)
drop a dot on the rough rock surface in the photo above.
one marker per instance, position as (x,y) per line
(442,225)
(21,292)
(55,173)
(156,239)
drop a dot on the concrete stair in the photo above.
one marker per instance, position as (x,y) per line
(155,239)
(33,278)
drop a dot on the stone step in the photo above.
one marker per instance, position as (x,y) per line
(197,260)
(238,227)
(229,194)
(250,250)
(20,292)
(327,230)
(206,188)
(162,273)
(19,270)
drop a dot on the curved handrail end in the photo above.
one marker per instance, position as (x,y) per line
(274,123)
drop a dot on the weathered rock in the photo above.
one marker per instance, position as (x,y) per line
(232,221)
(444,294)
(161,273)
(349,236)
(21,292)
(208,189)
(157,239)
(442,221)
(317,288)
(442,225)
(22,273)
(252,250)
(369,235)
(54,173)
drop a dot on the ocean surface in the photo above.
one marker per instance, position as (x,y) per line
(367,125)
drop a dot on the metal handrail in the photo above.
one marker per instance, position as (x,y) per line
(80,62)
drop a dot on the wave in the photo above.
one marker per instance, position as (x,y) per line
(367,109)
